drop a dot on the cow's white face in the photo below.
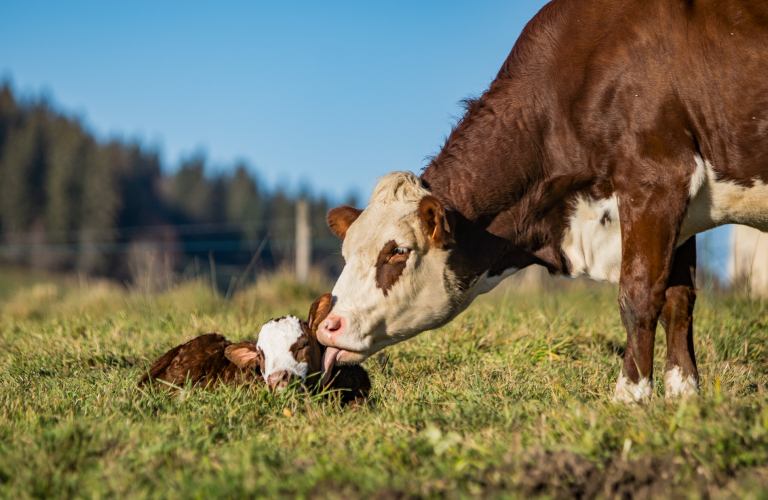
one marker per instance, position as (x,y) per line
(396,282)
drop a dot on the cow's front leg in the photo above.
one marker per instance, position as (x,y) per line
(681,377)
(649,231)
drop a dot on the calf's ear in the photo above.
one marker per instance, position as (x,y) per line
(340,218)
(437,221)
(319,310)
(245,355)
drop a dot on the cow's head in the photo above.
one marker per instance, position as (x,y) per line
(396,282)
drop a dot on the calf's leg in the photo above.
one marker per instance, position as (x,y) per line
(681,377)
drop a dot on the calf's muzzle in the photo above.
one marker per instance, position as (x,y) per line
(280,380)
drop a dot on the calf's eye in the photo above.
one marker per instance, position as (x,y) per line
(402,251)
(303,353)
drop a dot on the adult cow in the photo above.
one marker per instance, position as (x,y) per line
(615,131)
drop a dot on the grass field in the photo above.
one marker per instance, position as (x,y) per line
(511,400)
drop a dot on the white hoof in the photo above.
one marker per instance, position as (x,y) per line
(629,392)
(678,386)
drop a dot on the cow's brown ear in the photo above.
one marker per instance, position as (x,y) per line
(340,218)
(319,310)
(438,222)
(245,355)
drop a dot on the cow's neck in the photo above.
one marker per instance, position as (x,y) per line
(511,206)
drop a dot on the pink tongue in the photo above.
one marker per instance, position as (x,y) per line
(329,359)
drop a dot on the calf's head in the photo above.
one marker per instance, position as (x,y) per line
(288,349)
(395,283)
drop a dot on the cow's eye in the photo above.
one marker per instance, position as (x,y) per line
(401,251)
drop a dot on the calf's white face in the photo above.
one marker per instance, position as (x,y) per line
(275,340)
(395,283)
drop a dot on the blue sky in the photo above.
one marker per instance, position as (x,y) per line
(324,94)
(327,95)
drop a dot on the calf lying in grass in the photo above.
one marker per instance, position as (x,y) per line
(286,351)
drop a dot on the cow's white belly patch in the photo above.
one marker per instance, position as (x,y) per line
(592,240)
(717,202)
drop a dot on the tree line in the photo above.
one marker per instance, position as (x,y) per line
(70,202)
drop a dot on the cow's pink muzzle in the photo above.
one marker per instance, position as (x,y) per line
(330,330)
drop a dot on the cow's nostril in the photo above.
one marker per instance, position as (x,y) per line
(333,324)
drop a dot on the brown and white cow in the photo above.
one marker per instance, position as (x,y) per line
(615,131)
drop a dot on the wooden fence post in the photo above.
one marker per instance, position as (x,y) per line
(303,242)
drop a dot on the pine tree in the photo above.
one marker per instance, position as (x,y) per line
(282,226)
(101,202)
(23,168)
(217,200)
(139,178)
(10,114)
(67,150)
(245,205)
(190,191)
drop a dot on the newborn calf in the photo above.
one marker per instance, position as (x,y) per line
(287,350)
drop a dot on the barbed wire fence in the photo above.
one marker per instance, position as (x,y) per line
(155,256)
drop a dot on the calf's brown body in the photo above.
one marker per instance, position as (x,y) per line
(203,362)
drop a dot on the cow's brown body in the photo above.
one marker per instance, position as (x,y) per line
(648,118)
(612,97)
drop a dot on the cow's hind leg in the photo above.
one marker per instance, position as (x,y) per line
(681,377)
(649,232)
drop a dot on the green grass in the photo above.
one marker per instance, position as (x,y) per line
(511,400)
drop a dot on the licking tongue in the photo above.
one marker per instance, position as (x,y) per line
(329,359)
